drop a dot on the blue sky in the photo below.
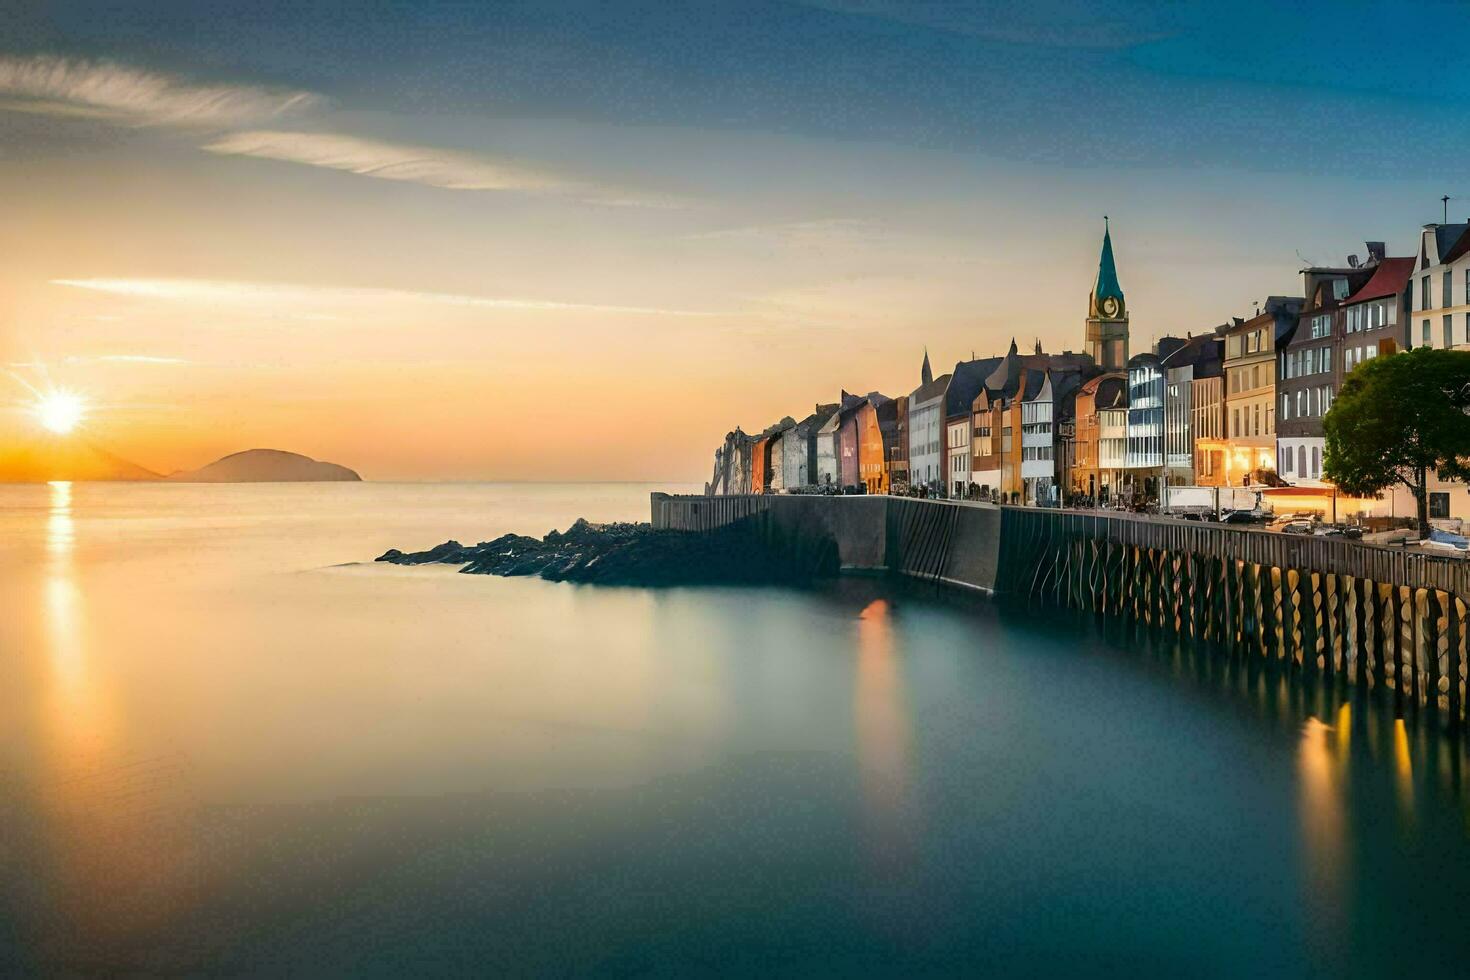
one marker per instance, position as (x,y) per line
(810,190)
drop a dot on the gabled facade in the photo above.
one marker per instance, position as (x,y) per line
(967,380)
(1105,396)
(826,452)
(987,421)
(1352,314)
(893,420)
(872,457)
(1038,443)
(1250,388)
(926,439)
(1439,304)
(1197,358)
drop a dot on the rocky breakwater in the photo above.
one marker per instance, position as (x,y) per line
(633,554)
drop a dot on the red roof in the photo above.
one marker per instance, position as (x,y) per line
(1389,279)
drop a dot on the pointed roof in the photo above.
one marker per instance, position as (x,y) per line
(966,380)
(1392,275)
(926,373)
(1107,271)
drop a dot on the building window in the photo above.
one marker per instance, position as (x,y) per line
(1424,338)
(1301,460)
(1286,463)
(1316,462)
(1439,504)
(1424,293)
(1449,339)
(1447,300)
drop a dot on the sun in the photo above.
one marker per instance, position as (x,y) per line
(60,411)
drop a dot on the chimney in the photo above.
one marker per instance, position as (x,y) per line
(1376,251)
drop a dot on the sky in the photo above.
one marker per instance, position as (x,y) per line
(582,241)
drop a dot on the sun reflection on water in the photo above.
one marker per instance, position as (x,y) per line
(109,811)
(883,734)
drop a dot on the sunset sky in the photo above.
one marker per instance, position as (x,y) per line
(584,240)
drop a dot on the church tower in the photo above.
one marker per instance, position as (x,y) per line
(1107,313)
(926,373)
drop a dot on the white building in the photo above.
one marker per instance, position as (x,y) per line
(926,446)
(827,473)
(985,464)
(1112,446)
(1038,453)
(1145,419)
(958,446)
(1439,300)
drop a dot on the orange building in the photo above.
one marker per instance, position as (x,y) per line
(872,469)
(758,467)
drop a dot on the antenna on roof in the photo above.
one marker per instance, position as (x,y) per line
(1446,202)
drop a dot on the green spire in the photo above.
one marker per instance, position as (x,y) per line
(1107,272)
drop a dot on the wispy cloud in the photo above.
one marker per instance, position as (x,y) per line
(277,295)
(432,166)
(61,86)
(139,359)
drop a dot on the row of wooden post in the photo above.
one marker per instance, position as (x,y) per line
(1408,641)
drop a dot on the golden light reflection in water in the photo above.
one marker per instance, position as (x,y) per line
(1403,768)
(883,734)
(115,853)
(1323,764)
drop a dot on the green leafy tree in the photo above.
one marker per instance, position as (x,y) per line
(1397,419)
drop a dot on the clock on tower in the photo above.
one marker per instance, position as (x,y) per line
(1107,313)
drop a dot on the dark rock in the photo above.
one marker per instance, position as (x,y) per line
(634,554)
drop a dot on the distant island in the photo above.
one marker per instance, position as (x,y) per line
(47,459)
(266,466)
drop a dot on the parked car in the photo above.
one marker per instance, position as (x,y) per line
(1242,517)
(1293,527)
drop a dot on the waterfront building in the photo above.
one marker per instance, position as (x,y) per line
(1112,442)
(967,380)
(1028,396)
(732,465)
(799,448)
(1352,314)
(926,448)
(1440,296)
(775,455)
(847,445)
(759,457)
(1250,390)
(1106,339)
(776,463)
(1038,442)
(1103,395)
(826,451)
(872,469)
(1194,359)
(985,459)
(1207,428)
(893,419)
(1145,454)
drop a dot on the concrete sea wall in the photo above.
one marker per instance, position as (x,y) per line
(1376,617)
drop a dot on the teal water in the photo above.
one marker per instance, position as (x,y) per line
(231,744)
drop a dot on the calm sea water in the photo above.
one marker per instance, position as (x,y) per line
(230,743)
